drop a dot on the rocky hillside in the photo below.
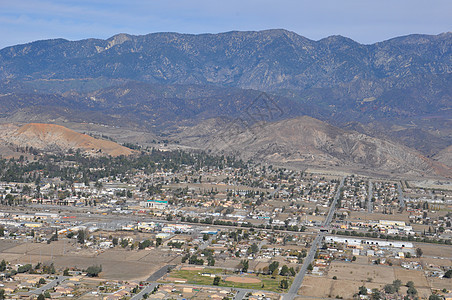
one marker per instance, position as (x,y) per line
(56,138)
(307,141)
(264,60)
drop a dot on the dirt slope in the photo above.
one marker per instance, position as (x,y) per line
(309,141)
(50,137)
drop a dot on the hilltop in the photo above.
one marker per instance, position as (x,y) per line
(56,138)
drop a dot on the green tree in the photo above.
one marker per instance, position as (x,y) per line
(434,297)
(253,249)
(376,295)
(81,236)
(362,290)
(419,252)
(273,266)
(284,284)
(284,271)
(24,268)
(93,271)
(448,274)
(411,291)
(210,261)
(389,289)
(397,284)
(2,294)
(216,280)
(41,297)
(2,265)
(244,264)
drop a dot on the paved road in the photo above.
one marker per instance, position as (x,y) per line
(240,295)
(298,280)
(401,199)
(328,219)
(369,198)
(159,273)
(206,244)
(48,286)
(147,290)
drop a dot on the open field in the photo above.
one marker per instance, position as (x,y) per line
(329,288)
(357,215)
(361,272)
(350,276)
(116,264)
(435,250)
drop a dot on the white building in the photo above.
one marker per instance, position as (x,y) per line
(356,241)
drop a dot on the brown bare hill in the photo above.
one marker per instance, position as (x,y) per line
(445,156)
(50,137)
(308,141)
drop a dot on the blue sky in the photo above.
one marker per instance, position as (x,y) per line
(365,21)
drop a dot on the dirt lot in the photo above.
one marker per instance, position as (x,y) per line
(435,250)
(329,288)
(416,276)
(350,276)
(239,279)
(116,264)
(355,215)
(360,272)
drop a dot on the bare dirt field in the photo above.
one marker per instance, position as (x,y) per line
(416,276)
(174,279)
(435,250)
(329,288)
(361,272)
(440,283)
(437,261)
(5,244)
(192,268)
(239,279)
(116,263)
(355,215)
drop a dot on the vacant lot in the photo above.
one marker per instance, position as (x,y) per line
(435,250)
(350,276)
(361,272)
(329,288)
(116,264)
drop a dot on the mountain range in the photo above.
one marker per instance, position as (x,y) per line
(166,84)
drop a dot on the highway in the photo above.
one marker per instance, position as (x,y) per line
(298,280)
(369,198)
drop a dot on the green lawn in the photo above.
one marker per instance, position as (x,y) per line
(194,277)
